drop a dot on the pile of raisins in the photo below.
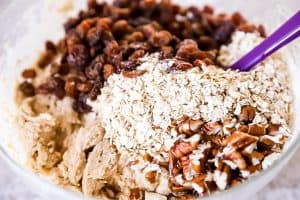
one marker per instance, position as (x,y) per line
(110,38)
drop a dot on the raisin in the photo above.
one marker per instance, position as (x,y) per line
(161,38)
(222,34)
(129,65)
(119,28)
(237,19)
(208,9)
(80,104)
(207,43)
(54,85)
(78,56)
(137,54)
(84,27)
(248,28)
(70,87)
(103,24)
(84,87)
(135,37)
(133,74)
(27,89)
(189,51)
(108,70)
(50,46)
(166,52)
(96,90)
(71,23)
(94,70)
(45,59)
(29,73)
(93,36)
(181,65)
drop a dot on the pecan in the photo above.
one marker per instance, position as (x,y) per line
(211,128)
(198,183)
(186,168)
(243,128)
(236,158)
(239,140)
(257,130)
(190,127)
(196,166)
(186,197)
(247,113)
(256,157)
(252,169)
(147,158)
(179,150)
(236,182)
(273,129)
(177,189)
(136,194)
(266,142)
(151,176)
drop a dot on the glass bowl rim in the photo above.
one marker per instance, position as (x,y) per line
(25,172)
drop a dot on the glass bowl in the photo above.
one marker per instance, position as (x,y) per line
(20,17)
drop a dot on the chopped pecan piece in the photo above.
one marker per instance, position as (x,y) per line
(243,128)
(266,142)
(136,194)
(190,127)
(179,150)
(273,129)
(211,128)
(235,160)
(147,158)
(239,140)
(247,113)
(257,130)
(151,176)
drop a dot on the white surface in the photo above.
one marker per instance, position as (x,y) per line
(286,186)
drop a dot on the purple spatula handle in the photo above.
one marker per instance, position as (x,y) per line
(289,31)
